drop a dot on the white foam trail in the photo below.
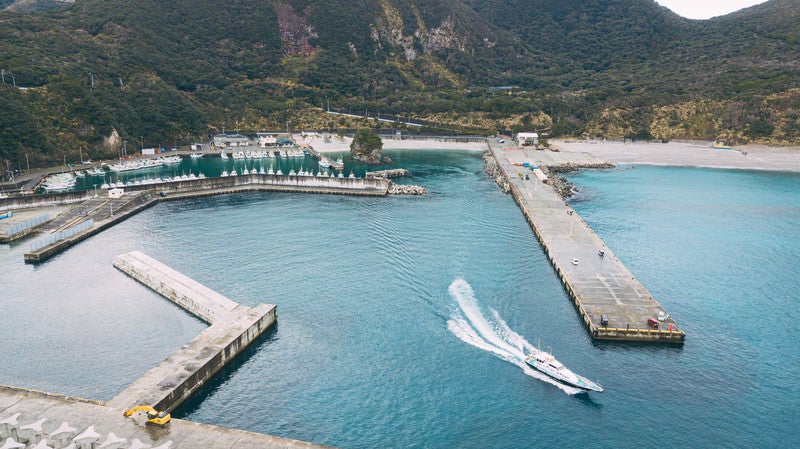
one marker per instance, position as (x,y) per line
(471,327)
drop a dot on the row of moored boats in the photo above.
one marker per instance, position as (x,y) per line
(265,154)
(279,172)
(141,164)
(149,181)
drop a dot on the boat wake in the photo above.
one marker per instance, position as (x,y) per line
(491,334)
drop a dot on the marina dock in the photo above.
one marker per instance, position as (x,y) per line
(94,214)
(601,287)
(233,327)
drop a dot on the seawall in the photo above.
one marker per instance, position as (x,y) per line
(138,198)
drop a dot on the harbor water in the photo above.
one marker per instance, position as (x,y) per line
(212,165)
(403,321)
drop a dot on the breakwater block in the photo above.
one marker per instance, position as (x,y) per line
(233,328)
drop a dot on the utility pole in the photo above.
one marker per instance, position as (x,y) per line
(91,80)
(27,163)
(3,74)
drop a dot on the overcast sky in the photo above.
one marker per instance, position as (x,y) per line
(705,9)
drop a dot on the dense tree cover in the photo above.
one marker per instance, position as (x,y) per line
(365,142)
(167,72)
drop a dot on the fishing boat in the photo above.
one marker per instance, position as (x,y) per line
(59,182)
(196,155)
(168,160)
(545,363)
(223,155)
(97,171)
(124,166)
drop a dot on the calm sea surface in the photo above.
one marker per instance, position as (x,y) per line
(402,321)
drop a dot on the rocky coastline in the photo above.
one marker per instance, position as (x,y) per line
(493,170)
(561,184)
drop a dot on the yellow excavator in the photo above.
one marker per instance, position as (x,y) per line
(153,416)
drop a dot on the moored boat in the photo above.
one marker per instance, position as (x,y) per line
(545,363)
(168,160)
(96,171)
(59,182)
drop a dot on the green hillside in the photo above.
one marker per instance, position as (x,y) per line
(96,74)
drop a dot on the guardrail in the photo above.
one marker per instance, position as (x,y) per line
(17,228)
(67,233)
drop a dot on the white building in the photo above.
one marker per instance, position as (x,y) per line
(230,140)
(266,139)
(527,139)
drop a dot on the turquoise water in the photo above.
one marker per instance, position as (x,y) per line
(402,320)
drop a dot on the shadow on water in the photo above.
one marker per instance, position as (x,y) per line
(635,345)
(226,373)
(586,398)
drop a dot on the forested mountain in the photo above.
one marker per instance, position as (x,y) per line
(93,74)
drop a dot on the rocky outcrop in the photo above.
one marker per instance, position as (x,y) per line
(295,33)
(367,147)
(373,157)
(390,28)
(562,185)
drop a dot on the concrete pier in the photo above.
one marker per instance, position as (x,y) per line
(58,421)
(192,296)
(598,285)
(103,211)
(233,328)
